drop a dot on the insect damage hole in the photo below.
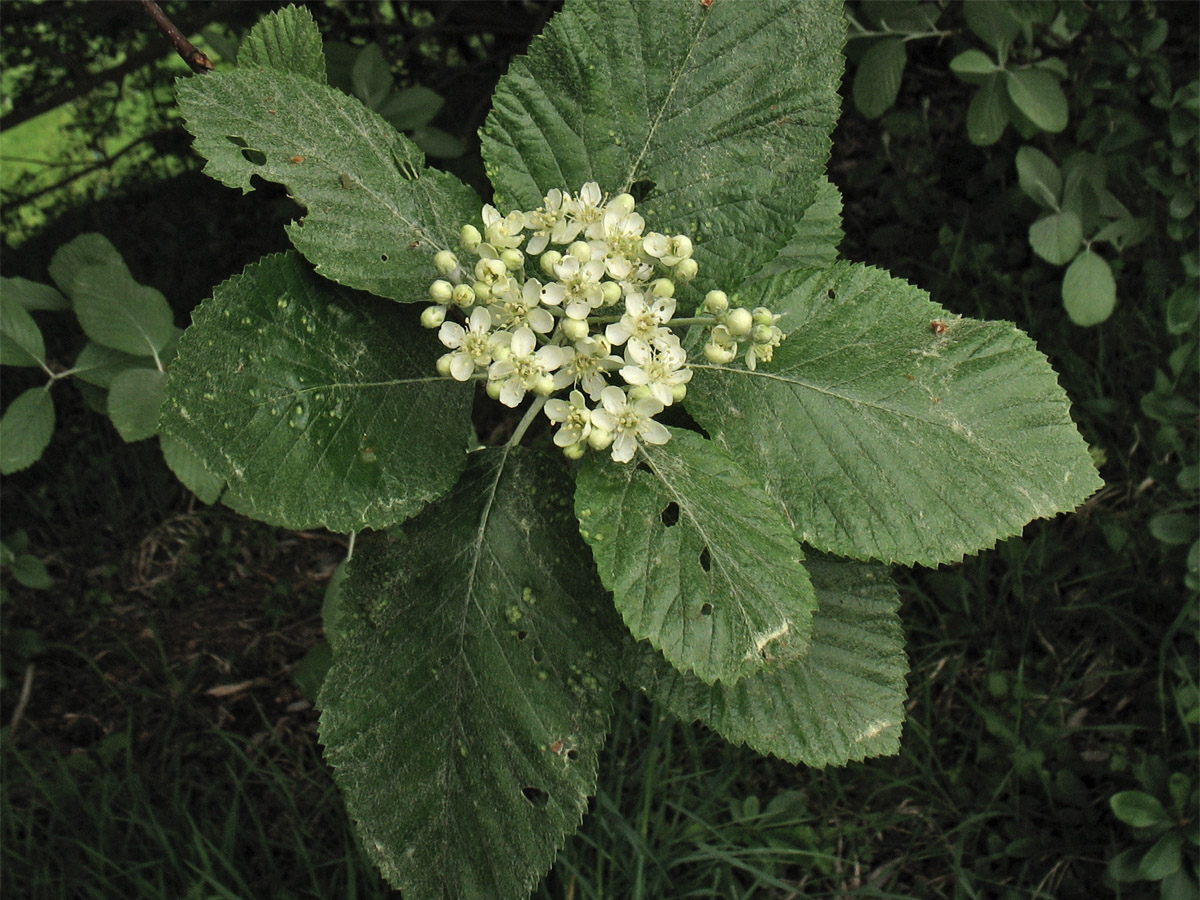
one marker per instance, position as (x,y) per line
(705,560)
(670,514)
(536,796)
(706,609)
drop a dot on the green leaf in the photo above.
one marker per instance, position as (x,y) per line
(436,142)
(877,81)
(660,96)
(1124,866)
(89,249)
(116,311)
(1164,858)
(371,76)
(21,341)
(1089,291)
(31,572)
(411,107)
(287,40)
(1126,232)
(320,406)
(1039,177)
(974,66)
(99,365)
(1183,309)
(25,430)
(1057,237)
(134,400)
(32,295)
(1173,528)
(190,470)
(993,23)
(1039,97)
(816,237)
(986,115)
(701,562)
(890,429)
(1137,808)
(376,215)
(470,695)
(843,701)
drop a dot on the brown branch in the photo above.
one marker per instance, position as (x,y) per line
(188,52)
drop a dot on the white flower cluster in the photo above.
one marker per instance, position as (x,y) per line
(607,283)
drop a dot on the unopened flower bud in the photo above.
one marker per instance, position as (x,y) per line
(762,334)
(501,352)
(482,291)
(443,364)
(544,386)
(512,259)
(624,202)
(716,302)
(719,354)
(686,269)
(433,316)
(470,238)
(599,439)
(639,392)
(441,291)
(611,291)
(574,329)
(445,262)
(678,392)
(574,451)
(681,246)
(662,287)
(493,389)
(739,321)
(581,251)
(464,295)
(549,260)
(763,316)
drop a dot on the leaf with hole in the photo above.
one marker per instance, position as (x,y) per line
(489,648)
(701,562)
(842,701)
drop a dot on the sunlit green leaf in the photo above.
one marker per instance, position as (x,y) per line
(1057,237)
(288,40)
(892,429)
(1037,94)
(1089,290)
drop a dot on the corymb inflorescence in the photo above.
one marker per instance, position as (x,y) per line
(546,319)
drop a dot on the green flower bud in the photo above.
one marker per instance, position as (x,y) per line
(433,316)
(500,352)
(719,354)
(581,251)
(544,386)
(574,451)
(612,292)
(445,262)
(662,287)
(549,260)
(599,439)
(678,392)
(441,291)
(762,334)
(639,392)
(482,291)
(470,238)
(716,302)
(574,329)
(763,316)
(493,389)
(512,259)
(686,269)
(464,295)
(443,365)
(739,321)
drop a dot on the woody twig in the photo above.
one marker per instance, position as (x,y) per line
(194,57)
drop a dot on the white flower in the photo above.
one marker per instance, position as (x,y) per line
(574,416)
(641,322)
(628,422)
(586,363)
(502,231)
(520,308)
(551,222)
(473,345)
(660,366)
(587,212)
(578,287)
(622,242)
(526,368)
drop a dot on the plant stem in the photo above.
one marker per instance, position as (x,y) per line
(526,421)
